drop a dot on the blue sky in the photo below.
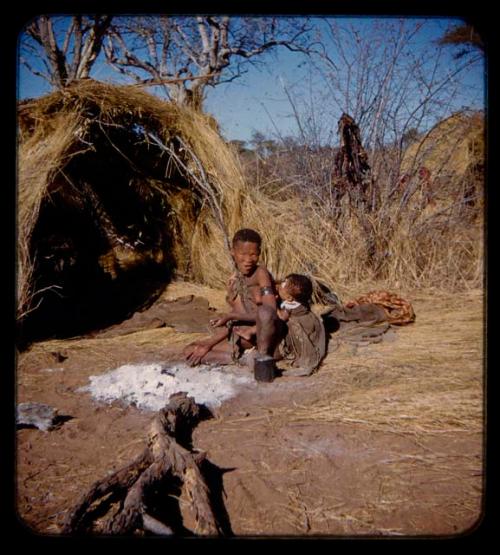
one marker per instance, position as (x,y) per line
(257,101)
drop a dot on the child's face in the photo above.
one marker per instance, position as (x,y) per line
(246,257)
(283,291)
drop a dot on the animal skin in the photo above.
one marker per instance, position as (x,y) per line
(398,311)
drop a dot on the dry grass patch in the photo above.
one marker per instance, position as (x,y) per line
(430,380)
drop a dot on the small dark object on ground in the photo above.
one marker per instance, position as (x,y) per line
(264,369)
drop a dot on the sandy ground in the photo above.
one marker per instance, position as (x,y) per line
(384,440)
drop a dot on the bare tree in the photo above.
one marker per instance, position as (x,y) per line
(380,77)
(185,55)
(66,47)
(385,82)
(396,85)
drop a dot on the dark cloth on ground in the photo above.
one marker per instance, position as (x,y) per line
(358,334)
(188,314)
(368,313)
(367,319)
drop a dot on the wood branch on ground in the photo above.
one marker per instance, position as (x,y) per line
(167,458)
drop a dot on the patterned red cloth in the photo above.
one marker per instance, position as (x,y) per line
(398,310)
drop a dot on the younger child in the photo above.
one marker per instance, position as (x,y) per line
(304,345)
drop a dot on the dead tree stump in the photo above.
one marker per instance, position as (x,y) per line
(117,504)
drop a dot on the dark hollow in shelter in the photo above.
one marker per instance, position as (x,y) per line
(107,204)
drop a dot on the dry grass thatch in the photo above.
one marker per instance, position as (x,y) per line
(450,148)
(59,134)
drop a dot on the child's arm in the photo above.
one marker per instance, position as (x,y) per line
(283,314)
(267,288)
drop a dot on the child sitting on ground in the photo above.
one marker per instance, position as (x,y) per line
(252,320)
(304,345)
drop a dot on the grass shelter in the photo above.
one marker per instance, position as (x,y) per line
(112,183)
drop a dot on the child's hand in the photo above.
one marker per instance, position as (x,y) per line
(283,314)
(219,322)
(197,354)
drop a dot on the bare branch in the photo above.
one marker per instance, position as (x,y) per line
(153,82)
(203,32)
(76,21)
(196,52)
(45,76)
(68,54)
(93,45)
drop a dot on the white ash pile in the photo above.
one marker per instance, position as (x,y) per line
(149,386)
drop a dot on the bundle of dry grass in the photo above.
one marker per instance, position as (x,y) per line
(450,148)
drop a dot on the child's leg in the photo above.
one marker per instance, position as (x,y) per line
(219,335)
(269,330)
(222,353)
(247,332)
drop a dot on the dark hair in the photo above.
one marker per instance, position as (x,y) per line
(300,287)
(247,236)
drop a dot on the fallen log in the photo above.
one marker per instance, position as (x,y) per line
(118,504)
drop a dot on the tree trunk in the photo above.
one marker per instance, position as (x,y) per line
(167,458)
